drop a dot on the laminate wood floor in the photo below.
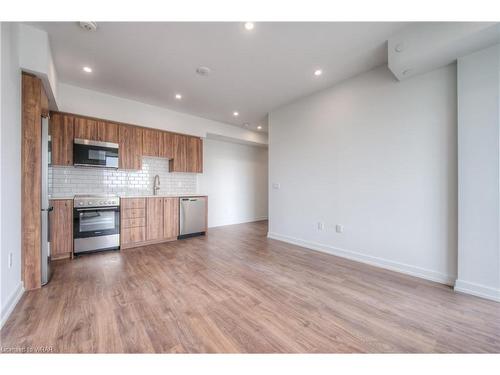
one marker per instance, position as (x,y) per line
(237,291)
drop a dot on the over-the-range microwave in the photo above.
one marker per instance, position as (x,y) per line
(88,153)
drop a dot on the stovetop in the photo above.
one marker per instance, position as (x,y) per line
(96,201)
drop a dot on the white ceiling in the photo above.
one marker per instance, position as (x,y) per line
(253,72)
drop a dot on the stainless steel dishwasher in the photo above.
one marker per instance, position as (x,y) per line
(192,216)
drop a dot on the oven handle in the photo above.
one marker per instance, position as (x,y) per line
(98,209)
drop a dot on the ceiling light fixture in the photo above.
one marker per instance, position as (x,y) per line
(236,113)
(178,96)
(259,127)
(249,25)
(318,72)
(87,69)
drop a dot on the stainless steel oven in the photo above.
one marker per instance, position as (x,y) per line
(89,153)
(96,223)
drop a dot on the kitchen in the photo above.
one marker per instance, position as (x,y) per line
(165,189)
(102,169)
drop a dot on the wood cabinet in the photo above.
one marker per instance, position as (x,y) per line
(107,132)
(149,220)
(61,133)
(185,153)
(194,155)
(170,218)
(154,219)
(130,141)
(166,145)
(85,128)
(132,222)
(178,163)
(61,228)
(151,142)
(31,141)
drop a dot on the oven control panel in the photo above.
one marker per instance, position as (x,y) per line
(96,201)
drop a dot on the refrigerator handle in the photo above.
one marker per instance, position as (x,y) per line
(48,210)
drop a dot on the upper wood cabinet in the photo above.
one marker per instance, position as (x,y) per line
(178,162)
(86,128)
(151,142)
(187,154)
(130,141)
(107,132)
(167,145)
(194,155)
(154,219)
(61,133)
(61,228)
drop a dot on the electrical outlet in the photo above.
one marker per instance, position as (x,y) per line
(321,225)
(10,260)
(276,186)
(339,228)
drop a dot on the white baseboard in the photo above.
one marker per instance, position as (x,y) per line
(243,221)
(11,304)
(368,259)
(477,290)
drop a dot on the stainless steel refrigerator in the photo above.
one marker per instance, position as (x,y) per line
(45,203)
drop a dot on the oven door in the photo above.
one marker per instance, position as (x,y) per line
(95,154)
(96,228)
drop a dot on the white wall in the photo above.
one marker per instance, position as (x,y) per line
(35,56)
(379,157)
(10,146)
(479,173)
(235,179)
(92,103)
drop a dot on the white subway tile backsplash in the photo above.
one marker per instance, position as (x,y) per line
(65,181)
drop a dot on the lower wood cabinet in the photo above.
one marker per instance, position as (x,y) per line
(148,220)
(61,228)
(154,219)
(170,218)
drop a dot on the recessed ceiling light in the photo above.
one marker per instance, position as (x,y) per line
(259,127)
(236,113)
(87,69)
(178,96)
(318,72)
(249,25)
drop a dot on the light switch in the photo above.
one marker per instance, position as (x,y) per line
(276,186)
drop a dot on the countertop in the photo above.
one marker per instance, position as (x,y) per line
(65,197)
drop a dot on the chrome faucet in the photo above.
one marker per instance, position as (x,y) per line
(156,185)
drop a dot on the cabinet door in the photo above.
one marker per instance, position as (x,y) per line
(170,218)
(61,227)
(85,128)
(167,145)
(178,163)
(154,219)
(194,155)
(61,134)
(151,142)
(107,132)
(130,140)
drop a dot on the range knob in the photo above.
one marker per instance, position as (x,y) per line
(101,202)
(89,203)
(80,203)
